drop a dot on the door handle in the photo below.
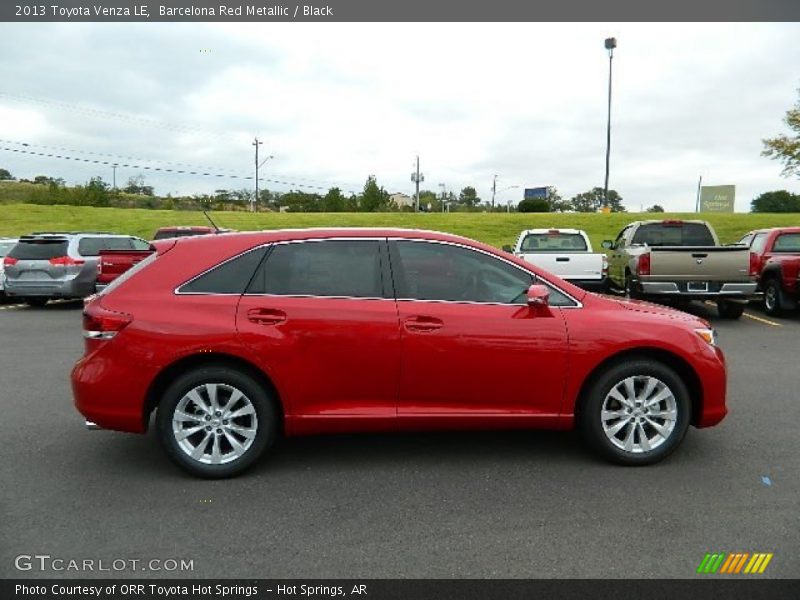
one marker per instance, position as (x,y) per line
(266,316)
(422,324)
(562,259)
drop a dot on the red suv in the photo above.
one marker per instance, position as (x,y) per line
(234,340)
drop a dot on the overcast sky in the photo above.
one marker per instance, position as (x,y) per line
(335,102)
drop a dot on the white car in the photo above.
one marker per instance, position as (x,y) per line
(566,253)
(6,244)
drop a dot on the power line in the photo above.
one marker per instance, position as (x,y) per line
(290,184)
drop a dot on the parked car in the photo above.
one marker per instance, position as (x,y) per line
(778,254)
(5,247)
(566,253)
(234,340)
(682,260)
(113,263)
(42,266)
(185,231)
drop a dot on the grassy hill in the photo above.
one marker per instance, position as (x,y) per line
(496,229)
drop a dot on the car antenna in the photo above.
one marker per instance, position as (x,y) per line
(210,220)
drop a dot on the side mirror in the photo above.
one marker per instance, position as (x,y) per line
(538,296)
(607,244)
(507,248)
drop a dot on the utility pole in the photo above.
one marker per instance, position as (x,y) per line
(114,176)
(254,201)
(697,202)
(444,193)
(610,44)
(416,177)
(494,189)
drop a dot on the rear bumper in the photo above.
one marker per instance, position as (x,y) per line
(669,288)
(50,289)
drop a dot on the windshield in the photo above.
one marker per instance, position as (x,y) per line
(673,234)
(553,242)
(787,242)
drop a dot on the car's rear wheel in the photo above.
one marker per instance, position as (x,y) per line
(728,309)
(630,289)
(215,422)
(773,298)
(35,301)
(636,413)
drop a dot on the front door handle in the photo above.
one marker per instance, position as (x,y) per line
(266,316)
(562,259)
(422,324)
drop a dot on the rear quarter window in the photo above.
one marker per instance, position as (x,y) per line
(229,277)
(93,246)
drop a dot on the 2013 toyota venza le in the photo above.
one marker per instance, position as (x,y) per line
(235,339)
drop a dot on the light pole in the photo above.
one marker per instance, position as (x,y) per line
(494,189)
(416,177)
(114,176)
(256,143)
(444,191)
(610,44)
(508,203)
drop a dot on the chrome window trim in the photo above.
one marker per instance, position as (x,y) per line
(578,303)
(176,291)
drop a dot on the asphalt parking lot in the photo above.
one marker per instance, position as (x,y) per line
(485,505)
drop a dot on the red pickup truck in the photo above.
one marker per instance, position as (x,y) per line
(778,253)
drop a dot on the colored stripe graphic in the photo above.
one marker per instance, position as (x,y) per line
(734,562)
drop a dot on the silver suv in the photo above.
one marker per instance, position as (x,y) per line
(42,266)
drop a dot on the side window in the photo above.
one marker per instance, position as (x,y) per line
(759,241)
(229,277)
(434,271)
(140,244)
(91,246)
(745,241)
(621,237)
(331,268)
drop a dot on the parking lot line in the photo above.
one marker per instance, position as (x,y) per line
(762,320)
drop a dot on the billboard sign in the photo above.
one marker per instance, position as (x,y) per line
(717,198)
(535,193)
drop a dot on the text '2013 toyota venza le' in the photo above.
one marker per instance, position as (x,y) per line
(236,339)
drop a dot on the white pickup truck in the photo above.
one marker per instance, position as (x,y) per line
(566,253)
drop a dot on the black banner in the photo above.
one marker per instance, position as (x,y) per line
(409,589)
(392,10)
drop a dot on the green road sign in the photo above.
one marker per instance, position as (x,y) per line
(717,198)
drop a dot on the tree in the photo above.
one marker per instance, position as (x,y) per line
(373,198)
(592,201)
(786,148)
(333,201)
(656,208)
(428,198)
(468,197)
(780,201)
(5,175)
(136,186)
(557,203)
(530,205)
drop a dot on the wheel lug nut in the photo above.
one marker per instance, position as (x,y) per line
(208,427)
(217,414)
(219,431)
(225,422)
(208,417)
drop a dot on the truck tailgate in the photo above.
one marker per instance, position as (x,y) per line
(568,265)
(699,263)
(113,263)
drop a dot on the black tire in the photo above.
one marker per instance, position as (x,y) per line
(265,420)
(630,289)
(590,421)
(730,310)
(773,298)
(35,301)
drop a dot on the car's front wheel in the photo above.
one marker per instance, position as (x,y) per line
(215,422)
(636,413)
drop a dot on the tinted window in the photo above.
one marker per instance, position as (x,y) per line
(553,242)
(787,242)
(140,244)
(673,234)
(230,277)
(433,271)
(348,268)
(163,235)
(91,246)
(39,249)
(745,241)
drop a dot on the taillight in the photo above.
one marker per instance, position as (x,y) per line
(754,264)
(605,265)
(102,324)
(643,264)
(65,261)
(8,261)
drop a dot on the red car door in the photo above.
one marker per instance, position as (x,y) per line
(320,318)
(471,347)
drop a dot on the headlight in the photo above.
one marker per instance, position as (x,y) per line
(709,335)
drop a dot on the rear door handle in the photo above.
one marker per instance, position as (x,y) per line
(562,259)
(422,324)
(266,316)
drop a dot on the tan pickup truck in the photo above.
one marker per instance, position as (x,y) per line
(681,260)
